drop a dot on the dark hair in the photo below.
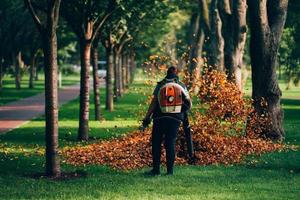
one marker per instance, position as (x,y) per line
(172,70)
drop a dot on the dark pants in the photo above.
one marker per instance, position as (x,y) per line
(188,136)
(167,127)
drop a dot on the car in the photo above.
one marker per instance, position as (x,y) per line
(102,73)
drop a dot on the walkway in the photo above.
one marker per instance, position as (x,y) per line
(15,114)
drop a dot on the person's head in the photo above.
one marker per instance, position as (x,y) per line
(171,72)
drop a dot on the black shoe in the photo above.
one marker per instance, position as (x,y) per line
(169,172)
(152,173)
(192,160)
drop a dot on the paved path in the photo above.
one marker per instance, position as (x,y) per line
(14,114)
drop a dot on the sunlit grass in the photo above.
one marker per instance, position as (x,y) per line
(9,92)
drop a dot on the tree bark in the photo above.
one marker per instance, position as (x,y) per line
(234,30)
(36,75)
(132,67)
(267,18)
(51,104)
(32,69)
(85,54)
(124,73)
(121,88)
(18,66)
(198,29)
(109,104)
(1,74)
(216,40)
(116,77)
(128,73)
(96,82)
(196,46)
(193,30)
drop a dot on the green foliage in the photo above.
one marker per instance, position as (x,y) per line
(17,33)
(289,52)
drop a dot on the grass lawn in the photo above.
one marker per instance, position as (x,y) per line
(271,176)
(9,92)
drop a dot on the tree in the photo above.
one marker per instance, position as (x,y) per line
(11,31)
(118,48)
(109,56)
(86,19)
(47,29)
(234,30)
(199,29)
(94,58)
(267,18)
(216,39)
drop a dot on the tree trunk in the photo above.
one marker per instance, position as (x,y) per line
(51,103)
(85,54)
(32,69)
(96,82)
(216,41)
(267,18)
(124,73)
(36,76)
(193,30)
(18,66)
(1,74)
(49,40)
(234,30)
(196,46)
(198,28)
(116,77)
(128,74)
(133,68)
(109,104)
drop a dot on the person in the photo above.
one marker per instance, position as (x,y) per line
(169,103)
(188,137)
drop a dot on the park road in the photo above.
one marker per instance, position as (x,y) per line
(15,114)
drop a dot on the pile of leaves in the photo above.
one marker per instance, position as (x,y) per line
(225,129)
(134,150)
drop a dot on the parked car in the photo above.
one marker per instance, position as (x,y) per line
(102,73)
(102,69)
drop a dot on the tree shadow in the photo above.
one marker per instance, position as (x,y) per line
(28,136)
(292,102)
(278,161)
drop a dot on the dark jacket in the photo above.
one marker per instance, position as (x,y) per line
(157,114)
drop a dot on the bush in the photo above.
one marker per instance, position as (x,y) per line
(69,69)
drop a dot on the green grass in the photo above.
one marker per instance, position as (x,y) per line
(273,176)
(9,92)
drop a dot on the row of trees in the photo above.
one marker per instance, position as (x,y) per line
(218,31)
(112,27)
(124,31)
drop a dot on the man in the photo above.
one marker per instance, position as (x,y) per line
(169,103)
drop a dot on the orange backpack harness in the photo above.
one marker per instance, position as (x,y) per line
(170,98)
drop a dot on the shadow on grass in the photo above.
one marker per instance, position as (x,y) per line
(290,102)
(279,161)
(36,135)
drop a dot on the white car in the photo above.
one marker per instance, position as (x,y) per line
(102,73)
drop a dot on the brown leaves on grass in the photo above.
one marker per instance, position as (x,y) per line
(224,124)
(129,152)
(134,151)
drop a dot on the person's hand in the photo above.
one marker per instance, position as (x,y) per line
(145,123)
